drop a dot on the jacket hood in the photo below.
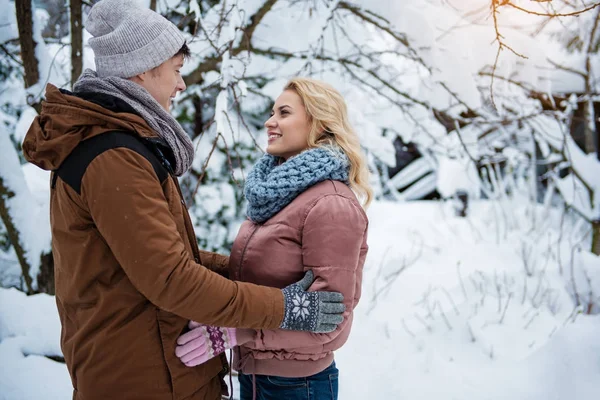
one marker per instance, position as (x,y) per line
(67,119)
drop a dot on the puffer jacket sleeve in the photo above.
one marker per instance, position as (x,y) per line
(215,262)
(129,208)
(333,239)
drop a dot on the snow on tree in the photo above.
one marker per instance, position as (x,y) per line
(471,84)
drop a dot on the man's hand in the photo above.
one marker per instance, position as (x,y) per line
(319,312)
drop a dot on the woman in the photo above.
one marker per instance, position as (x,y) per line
(303,216)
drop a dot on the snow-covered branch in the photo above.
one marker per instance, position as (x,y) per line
(21,215)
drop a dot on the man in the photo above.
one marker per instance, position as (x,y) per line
(128,272)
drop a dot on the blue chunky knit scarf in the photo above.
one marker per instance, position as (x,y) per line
(270,187)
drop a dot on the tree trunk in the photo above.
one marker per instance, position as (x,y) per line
(24,12)
(153,5)
(25,24)
(76,41)
(198,124)
(589,126)
(596,237)
(13,234)
(45,279)
(588,114)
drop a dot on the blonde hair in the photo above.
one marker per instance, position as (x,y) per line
(330,126)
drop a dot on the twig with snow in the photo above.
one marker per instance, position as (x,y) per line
(422,321)
(205,165)
(531,319)
(443,314)
(462,283)
(498,289)
(505,308)
(524,289)
(405,326)
(578,309)
(451,300)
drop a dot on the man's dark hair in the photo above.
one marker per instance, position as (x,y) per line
(184,51)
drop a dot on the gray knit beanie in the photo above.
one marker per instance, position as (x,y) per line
(129,39)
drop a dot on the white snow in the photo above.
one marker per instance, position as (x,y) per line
(29,331)
(27,117)
(469,317)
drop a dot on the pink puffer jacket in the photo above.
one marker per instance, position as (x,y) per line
(324,229)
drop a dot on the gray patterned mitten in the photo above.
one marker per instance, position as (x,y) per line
(319,312)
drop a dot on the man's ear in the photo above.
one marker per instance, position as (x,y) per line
(139,78)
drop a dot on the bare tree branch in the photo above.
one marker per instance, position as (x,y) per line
(368,17)
(255,21)
(213,63)
(362,14)
(10,55)
(548,102)
(568,69)
(208,64)
(205,165)
(501,46)
(238,107)
(570,14)
(14,234)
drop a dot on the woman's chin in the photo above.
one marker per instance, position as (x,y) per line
(272,150)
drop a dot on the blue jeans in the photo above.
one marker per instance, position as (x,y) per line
(320,386)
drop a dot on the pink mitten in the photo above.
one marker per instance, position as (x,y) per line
(204,342)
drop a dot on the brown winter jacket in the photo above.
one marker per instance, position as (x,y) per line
(324,229)
(128,272)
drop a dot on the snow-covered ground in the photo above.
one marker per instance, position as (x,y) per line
(466,318)
(452,308)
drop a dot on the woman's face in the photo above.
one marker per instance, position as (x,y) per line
(289,126)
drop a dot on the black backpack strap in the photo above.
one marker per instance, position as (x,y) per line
(71,171)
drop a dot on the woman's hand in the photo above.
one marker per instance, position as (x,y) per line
(204,342)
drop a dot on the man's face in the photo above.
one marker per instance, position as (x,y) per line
(164,81)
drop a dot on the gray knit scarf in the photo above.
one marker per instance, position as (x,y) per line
(161,121)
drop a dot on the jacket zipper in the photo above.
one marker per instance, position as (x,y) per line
(239,348)
(244,252)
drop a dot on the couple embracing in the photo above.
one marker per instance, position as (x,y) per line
(145,313)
